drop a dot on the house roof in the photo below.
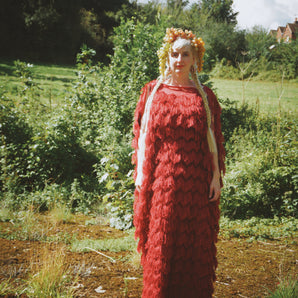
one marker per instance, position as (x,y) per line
(293,27)
(281,28)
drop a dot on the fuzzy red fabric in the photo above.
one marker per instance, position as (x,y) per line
(176,225)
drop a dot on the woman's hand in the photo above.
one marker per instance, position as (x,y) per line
(215,189)
(138,187)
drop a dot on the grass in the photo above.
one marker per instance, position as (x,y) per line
(114,245)
(29,225)
(49,276)
(266,94)
(5,214)
(287,288)
(260,229)
(5,287)
(60,214)
(53,81)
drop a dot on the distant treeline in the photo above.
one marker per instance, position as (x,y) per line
(54,30)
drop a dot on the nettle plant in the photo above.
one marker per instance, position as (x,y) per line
(24,72)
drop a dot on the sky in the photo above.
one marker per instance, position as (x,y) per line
(266,13)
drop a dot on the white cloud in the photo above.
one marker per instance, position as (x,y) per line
(267,13)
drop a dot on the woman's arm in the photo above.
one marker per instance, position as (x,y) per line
(215,185)
(215,188)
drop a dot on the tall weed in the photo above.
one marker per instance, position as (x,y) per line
(49,276)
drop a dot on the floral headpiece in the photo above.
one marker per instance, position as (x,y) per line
(171,35)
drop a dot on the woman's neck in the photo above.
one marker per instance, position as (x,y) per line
(179,81)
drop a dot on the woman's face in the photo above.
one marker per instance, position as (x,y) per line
(181,57)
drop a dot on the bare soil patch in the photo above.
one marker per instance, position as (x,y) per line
(246,269)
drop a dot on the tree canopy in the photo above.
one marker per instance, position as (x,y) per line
(52,30)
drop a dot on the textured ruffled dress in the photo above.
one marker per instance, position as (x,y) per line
(176,225)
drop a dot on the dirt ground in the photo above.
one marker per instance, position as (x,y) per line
(246,269)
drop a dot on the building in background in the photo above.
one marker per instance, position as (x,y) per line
(286,34)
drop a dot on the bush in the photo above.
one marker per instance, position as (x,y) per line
(14,147)
(34,157)
(120,192)
(64,146)
(133,64)
(261,175)
(222,70)
(234,117)
(284,57)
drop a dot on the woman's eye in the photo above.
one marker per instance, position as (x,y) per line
(175,55)
(186,54)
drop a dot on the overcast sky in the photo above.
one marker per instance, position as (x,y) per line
(268,13)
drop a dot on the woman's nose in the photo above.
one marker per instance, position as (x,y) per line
(179,57)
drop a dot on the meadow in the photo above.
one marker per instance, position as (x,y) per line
(269,97)
(55,81)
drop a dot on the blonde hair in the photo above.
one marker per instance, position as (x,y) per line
(210,135)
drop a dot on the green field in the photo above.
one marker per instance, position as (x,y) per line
(269,95)
(54,82)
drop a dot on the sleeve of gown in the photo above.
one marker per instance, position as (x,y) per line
(137,124)
(142,199)
(216,126)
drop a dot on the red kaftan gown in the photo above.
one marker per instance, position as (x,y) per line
(176,225)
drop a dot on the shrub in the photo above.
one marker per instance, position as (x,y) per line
(15,135)
(284,58)
(261,175)
(222,70)
(234,117)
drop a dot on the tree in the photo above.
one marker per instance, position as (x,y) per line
(54,30)
(219,10)
(258,42)
(12,27)
(284,56)
(223,41)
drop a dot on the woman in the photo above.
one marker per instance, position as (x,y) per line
(179,158)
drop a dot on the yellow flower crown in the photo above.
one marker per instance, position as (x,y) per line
(171,35)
